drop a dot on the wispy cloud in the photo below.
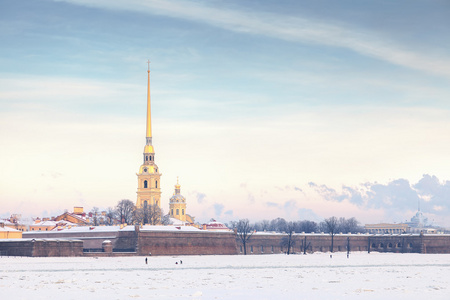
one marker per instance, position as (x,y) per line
(396,197)
(201,197)
(295,29)
(218,208)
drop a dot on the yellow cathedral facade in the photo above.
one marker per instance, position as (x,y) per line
(177,205)
(149,177)
(149,186)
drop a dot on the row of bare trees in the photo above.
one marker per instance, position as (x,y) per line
(126,212)
(244,230)
(281,225)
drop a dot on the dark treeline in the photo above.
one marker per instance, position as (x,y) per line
(126,212)
(331,225)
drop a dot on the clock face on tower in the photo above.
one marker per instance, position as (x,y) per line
(145,170)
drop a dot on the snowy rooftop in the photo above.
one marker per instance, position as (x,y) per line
(168,228)
(8,229)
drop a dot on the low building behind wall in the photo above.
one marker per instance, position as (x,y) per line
(387,228)
(9,233)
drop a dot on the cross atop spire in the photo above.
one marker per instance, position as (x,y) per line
(148,63)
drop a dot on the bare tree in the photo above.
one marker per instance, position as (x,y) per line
(110,216)
(288,241)
(244,232)
(265,225)
(124,211)
(165,220)
(149,214)
(308,226)
(332,226)
(349,225)
(95,216)
(262,225)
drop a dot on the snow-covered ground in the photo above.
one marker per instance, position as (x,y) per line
(313,276)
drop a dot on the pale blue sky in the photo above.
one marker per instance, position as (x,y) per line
(255,103)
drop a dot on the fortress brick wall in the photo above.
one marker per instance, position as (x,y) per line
(186,243)
(91,239)
(137,241)
(267,243)
(41,248)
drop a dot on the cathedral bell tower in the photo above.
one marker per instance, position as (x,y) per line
(177,205)
(149,186)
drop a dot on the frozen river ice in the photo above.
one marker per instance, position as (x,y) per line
(313,276)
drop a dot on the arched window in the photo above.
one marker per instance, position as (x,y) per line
(172,212)
(182,212)
(146,157)
(178,212)
(145,204)
(145,184)
(156,183)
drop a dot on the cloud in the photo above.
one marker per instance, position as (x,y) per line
(397,198)
(308,214)
(229,213)
(294,29)
(434,191)
(54,175)
(201,197)
(251,198)
(290,206)
(218,208)
(289,188)
(326,192)
(272,204)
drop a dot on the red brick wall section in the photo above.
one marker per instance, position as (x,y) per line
(219,243)
(187,243)
(271,243)
(42,248)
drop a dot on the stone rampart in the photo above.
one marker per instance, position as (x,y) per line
(186,243)
(138,241)
(267,243)
(91,239)
(41,247)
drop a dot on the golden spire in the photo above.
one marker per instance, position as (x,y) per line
(177,188)
(149,109)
